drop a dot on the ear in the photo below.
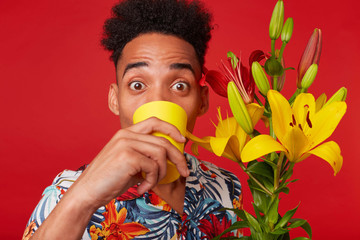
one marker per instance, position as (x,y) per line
(113,98)
(204,94)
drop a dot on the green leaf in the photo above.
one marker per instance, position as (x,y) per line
(268,184)
(257,189)
(296,222)
(285,236)
(238,212)
(253,222)
(261,168)
(279,231)
(263,180)
(273,165)
(254,186)
(287,175)
(284,184)
(282,189)
(258,215)
(287,216)
(261,200)
(272,214)
(306,226)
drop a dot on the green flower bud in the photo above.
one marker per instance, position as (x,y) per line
(309,76)
(260,78)
(234,59)
(339,96)
(287,30)
(277,20)
(238,108)
(273,67)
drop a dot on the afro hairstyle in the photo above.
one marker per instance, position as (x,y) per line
(189,21)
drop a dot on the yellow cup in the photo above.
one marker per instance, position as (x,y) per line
(171,113)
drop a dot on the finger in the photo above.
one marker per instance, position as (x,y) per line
(154,124)
(148,166)
(152,152)
(172,153)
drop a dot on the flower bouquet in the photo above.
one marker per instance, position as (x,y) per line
(297,127)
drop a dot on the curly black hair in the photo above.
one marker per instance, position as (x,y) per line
(189,21)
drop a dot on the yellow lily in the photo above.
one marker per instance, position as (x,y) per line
(229,138)
(300,130)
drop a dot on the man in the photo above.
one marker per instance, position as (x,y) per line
(158,48)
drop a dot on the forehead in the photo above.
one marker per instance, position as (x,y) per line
(158,50)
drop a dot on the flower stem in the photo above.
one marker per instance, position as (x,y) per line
(278,171)
(258,100)
(271,129)
(275,80)
(273,47)
(292,99)
(282,51)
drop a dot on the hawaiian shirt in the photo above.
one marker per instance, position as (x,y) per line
(209,189)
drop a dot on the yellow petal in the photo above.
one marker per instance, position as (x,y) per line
(221,147)
(325,122)
(255,111)
(266,121)
(330,152)
(195,149)
(296,144)
(304,107)
(320,101)
(218,145)
(260,146)
(234,145)
(203,142)
(242,137)
(281,113)
(226,127)
(196,139)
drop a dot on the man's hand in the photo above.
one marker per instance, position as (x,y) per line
(131,151)
(115,169)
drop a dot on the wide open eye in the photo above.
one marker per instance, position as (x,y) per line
(136,86)
(180,86)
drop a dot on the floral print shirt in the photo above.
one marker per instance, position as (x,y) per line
(132,216)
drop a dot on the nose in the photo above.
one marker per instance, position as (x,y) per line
(158,93)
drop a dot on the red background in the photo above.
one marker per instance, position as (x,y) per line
(54,79)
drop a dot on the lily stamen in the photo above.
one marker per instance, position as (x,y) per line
(308,119)
(293,119)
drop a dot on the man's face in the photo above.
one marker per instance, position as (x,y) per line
(156,67)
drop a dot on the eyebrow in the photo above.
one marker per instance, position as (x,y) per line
(172,66)
(134,65)
(182,66)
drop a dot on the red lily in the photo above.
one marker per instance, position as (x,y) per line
(240,75)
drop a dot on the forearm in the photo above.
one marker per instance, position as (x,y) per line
(68,219)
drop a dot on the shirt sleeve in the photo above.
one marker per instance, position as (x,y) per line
(50,198)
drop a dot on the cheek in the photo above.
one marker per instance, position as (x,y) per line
(126,112)
(192,112)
